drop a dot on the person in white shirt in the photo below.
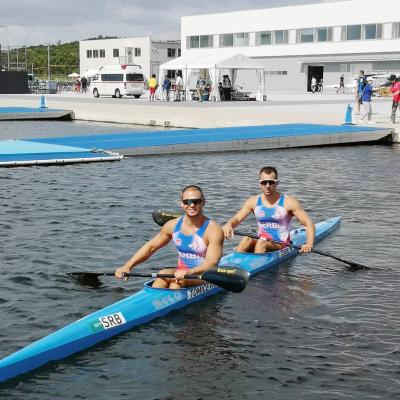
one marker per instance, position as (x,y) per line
(179,87)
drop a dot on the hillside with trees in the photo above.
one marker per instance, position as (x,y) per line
(64,59)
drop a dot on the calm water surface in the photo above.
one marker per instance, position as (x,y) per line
(322,332)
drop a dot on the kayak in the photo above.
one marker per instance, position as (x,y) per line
(147,304)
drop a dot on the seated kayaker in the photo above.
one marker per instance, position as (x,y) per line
(273,212)
(198,240)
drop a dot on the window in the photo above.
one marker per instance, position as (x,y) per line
(195,42)
(95,54)
(112,77)
(89,54)
(179,52)
(115,53)
(372,31)
(396,30)
(241,39)
(309,35)
(171,74)
(275,73)
(138,52)
(206,41)
(280,37)
(102,53)
(306,35)
(171,53)
(134,78)
(226,40)
(263,38)
(324,34)
(353,32)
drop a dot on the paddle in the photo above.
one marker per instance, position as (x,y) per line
(226,277)
(161,217)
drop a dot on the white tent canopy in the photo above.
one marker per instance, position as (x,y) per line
(215,64)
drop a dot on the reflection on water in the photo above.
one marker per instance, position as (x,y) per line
(311,329)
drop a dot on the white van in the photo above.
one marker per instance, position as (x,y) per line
(118,81)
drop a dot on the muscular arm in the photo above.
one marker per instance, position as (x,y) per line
(232,223)
(297,210)
(148,249)
(215,237)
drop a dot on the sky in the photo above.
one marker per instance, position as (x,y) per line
(35,22)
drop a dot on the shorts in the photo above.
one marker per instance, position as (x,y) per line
(152,90)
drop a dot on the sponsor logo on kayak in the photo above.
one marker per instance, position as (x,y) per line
(167,300)
(107,322)
(199,290)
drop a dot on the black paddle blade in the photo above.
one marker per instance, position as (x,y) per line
(161,217)
(230,278)
(88,278)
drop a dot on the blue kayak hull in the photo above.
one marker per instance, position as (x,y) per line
(140,308)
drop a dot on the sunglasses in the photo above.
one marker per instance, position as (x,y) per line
(196,202)
(268,182)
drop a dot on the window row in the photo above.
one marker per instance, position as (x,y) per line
(95,53)
(306,35)
(130,51)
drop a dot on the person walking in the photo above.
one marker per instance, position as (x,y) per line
(197,238)
(166,87)
(273,212)
(395,90)
(366,97)
(178,87)
(153,85)
(341,84)
(200,88)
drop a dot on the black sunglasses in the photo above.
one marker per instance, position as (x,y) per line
(188,202)
(269,182)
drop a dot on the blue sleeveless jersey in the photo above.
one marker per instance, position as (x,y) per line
(191,248)
(273,222)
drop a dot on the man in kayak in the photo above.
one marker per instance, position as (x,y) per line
(273,212)
(198,240)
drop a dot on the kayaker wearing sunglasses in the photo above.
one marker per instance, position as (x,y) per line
(273,212)
(198,241)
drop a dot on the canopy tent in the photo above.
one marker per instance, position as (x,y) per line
(90,73)
(73,75)
(215,64)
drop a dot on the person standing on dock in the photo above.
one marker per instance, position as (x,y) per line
(274,212)
(360,85)
(395,89)
(153,85)
(198,241)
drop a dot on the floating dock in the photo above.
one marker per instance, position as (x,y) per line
(16,153)
(25,113)
(82,149)
(264,137)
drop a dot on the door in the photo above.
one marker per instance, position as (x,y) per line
(314,71)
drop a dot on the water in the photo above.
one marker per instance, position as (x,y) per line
(322,332)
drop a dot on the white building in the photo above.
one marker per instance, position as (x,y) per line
(144,51)
(294,43)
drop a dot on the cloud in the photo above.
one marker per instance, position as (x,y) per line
(27,22)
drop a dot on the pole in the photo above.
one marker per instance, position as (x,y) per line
(48,64)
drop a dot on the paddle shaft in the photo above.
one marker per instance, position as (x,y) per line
(152,275)
(322,253)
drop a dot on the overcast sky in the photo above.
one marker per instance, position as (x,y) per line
(34,22)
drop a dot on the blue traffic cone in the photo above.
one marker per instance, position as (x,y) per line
(348,120)
(43,102)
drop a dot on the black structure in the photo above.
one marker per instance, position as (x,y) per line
(13,82)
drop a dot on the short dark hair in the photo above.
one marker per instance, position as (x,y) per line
(269,170)
(193,187)
(153,76)
(361,71)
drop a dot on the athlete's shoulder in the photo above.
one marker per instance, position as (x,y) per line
(214,227)
(170,225)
